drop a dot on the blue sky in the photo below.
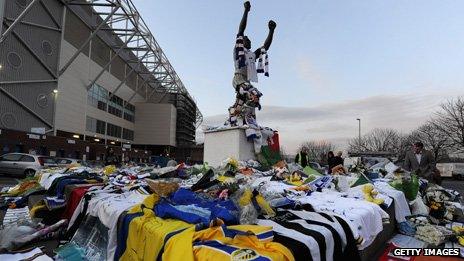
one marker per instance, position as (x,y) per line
(326,55)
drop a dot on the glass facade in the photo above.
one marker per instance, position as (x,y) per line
(97,96)
(91,124)
(128,134)
(101,127)
(104,100)
(129,112)
(113,130)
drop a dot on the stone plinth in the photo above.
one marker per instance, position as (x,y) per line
(222,144)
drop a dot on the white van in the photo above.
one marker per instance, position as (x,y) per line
(458,171)
(454,170)
(445,169)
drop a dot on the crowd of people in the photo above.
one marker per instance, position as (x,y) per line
(417,160)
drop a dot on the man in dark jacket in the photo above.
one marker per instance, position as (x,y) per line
(338,159)
(302,158)
(420,161)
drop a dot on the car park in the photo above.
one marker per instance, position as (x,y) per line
(21,164)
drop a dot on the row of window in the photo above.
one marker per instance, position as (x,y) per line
(101,127)
(127,134)
(97,126)
(113,130)
(104,100)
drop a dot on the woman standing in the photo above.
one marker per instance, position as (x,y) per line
(331,160)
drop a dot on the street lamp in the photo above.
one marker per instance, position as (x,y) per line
(359,129)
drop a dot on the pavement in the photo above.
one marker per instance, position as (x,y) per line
(457,185)
(7,181)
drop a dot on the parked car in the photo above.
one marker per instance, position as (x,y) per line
(458,171)
(21,164)
(63,162)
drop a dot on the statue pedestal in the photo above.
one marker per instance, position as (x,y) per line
(222,144)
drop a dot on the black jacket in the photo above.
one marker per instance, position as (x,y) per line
(304,159)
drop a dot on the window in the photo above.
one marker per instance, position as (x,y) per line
(128,134)
(48,160)
(101,127)
(115,105)
(100,98)
(97,96)
(115,111)
(94,125)
(113,130)
(101,105)
(116,100)
(63,161)
(91,124)
(26,158)
(12,157)
(129,112)
(129,107)
(129,117)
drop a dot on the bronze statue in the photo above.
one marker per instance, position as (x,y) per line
(246,71)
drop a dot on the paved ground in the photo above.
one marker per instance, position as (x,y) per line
(454,184)
(6,181)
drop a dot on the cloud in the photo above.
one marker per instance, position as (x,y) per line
(336,122)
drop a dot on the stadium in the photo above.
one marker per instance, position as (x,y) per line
(80,77)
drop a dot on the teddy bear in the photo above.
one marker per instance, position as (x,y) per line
(370,193)
(338,170)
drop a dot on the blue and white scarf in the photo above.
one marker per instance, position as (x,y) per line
(240,51)
(263,62)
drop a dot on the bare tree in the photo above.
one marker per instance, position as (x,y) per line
(433,138)
(405,145)
(450,121)
(318,150)
(385,140)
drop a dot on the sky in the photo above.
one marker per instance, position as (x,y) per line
(390,63)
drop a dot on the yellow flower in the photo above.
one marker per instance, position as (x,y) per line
(233,162)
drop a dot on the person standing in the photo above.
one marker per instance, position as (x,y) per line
(302,158)
(338,159)
(331,160)
(111,158)
(420,161)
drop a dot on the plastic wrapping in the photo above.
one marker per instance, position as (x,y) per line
(163,187)
(342,184)
(10,234)
(418,207)
(248,215)
(435,235)
(292,167)
(408,184)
